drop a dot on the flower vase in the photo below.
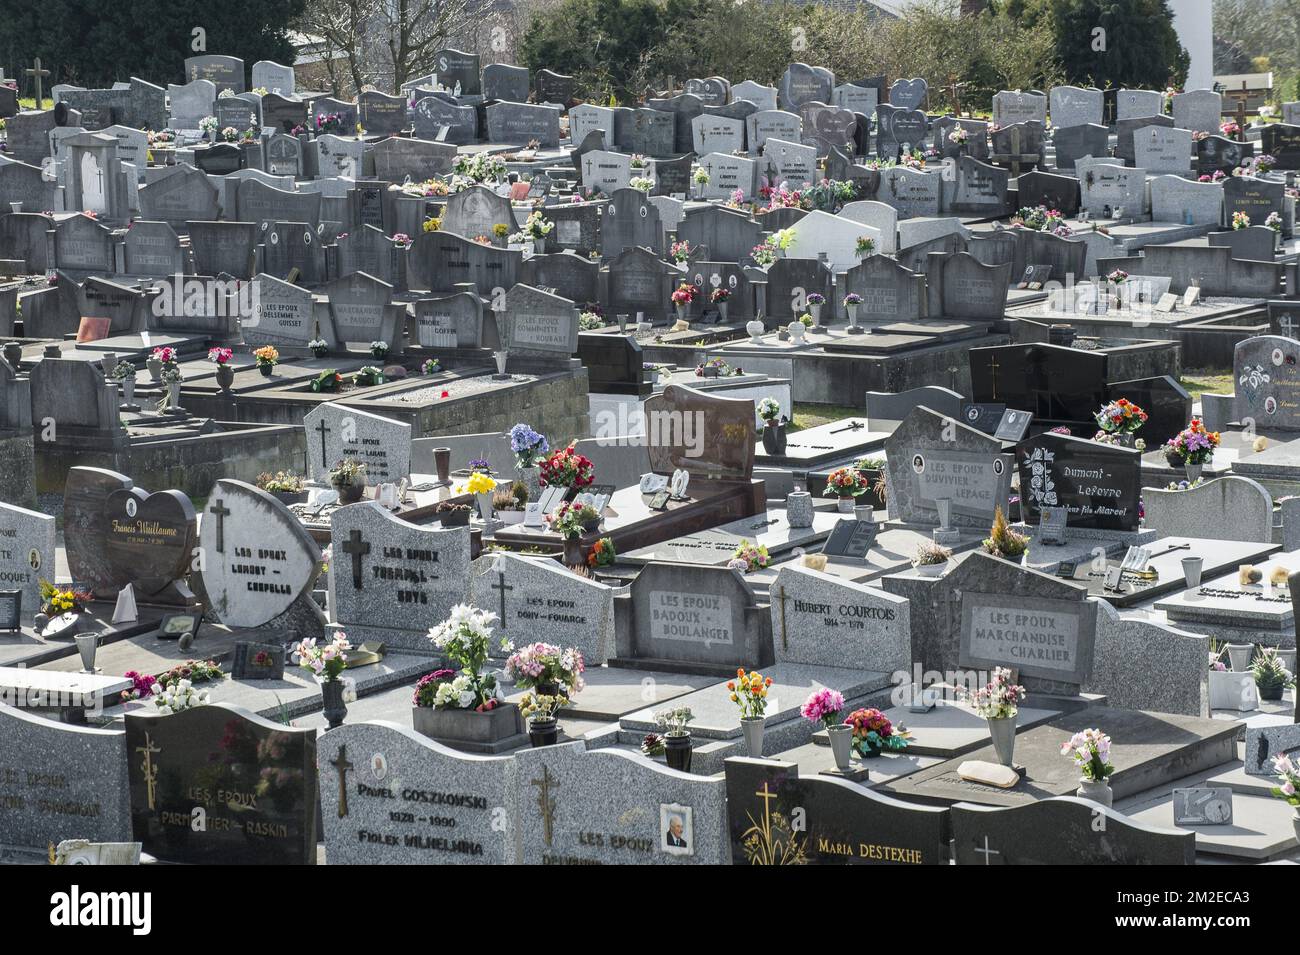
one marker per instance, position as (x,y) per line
(442,464)
(853,313)
(543,732)
(334,709)
(573,552)
(13,353)
(845,505)
(773,437)
(816,312)
(841,737)
(1098,790)
(799,509)
(128,391)
(539,246)
(174,395)
(266,368)
(155,368)
(484,499)
(225,377)
(1003,731)
(755,330)
(722,311)
(1193,471)
(677,752)
(532,479)
(87,644)
(351,493)
(753,729)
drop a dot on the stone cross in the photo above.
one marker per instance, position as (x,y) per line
(147,764)
(342,764)
(38,74)
(324,429)
(986,852)
(220,510)
(785,644)
(1288,325)
(357,548)
(546,803)
(993,370)
(501,586)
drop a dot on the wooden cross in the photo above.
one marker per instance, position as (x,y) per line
(148,750)
(954,89)
(342,764)
(785,644)
(324,429)
(986,851)
(358,549)
(219,509)
(38,74)
(546,803)
(502,587)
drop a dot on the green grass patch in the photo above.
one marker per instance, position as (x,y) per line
(811,416)
(1214,380)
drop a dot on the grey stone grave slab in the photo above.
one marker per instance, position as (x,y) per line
(522,123)
(612,807)
(258,559)
(433,114)
(1138,104)
(224,72)
(1074,142)
(62,782)
(764,97)
(933,457)
(1198,110)
(537,599)
(391,580)
(629,221)
(817,619)
(1063,831)
(1075,106)
(367,770)
(539,324)
(505,82)
(337,432)
(1163,149)
(476,211)
(449,321)
(190,103)
(1104,184)
(1226,508)
(186,196)
(1175,199)
(363,311)
(911,192)
(273,77)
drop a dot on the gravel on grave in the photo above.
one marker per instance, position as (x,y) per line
(460,388)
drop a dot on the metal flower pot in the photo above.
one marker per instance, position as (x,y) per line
(335,709)
(225,377)
(1003,731)
(677,752)
(544,732)
(752,726)
(841,737)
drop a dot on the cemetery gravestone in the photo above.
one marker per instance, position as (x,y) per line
(336,432)
(216,784)
(258,559)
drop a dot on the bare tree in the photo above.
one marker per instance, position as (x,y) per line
(413,31)
(344,26)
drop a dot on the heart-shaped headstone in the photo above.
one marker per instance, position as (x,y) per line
(909,94)
(150,537)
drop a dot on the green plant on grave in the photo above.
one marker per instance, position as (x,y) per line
(1003,540)
(1268,671)
(348,473)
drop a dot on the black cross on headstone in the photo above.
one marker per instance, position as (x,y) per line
(358,549)
(222,512)
(38,74)
(342,764)
(324,429)
(501,586)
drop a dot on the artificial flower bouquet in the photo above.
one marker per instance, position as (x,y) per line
(749,692)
